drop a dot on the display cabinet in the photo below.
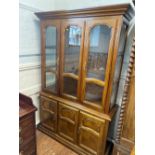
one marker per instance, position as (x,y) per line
(82,53)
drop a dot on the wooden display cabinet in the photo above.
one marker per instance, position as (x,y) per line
(82,53)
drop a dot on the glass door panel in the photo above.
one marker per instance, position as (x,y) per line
(118,66)
(98,51)
(72,47)
(51,55)
(98,42)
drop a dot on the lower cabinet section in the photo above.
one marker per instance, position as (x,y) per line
(81,131)
(48,112)
(91,133)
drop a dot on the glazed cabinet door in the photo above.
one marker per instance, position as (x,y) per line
(71,54)
(97,58)
(68,121)
(50,33)
(91,132)
(48,113)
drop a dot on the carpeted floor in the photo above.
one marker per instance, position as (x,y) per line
(48,146)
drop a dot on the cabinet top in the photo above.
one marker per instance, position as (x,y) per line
(111,10)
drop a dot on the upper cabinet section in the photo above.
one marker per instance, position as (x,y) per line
(81,58)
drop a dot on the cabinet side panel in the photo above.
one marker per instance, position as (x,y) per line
(118,66)
(113,63)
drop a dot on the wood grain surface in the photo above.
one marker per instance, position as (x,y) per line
(48,146)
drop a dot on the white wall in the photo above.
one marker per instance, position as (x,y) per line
(76,4)
(43,5)
(29,48)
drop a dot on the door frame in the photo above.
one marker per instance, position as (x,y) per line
(113,22)
(65,23)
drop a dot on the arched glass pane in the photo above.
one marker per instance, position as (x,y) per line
(98,51)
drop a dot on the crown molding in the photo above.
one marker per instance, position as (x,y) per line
(122,9)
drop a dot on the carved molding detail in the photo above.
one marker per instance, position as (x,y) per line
(126,91)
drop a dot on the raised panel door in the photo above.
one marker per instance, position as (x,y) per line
(91,131)
(48,113)
(68,121)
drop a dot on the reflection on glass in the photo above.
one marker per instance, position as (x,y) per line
(72,49)
(116,80)
(70,86)
(122,40)
(114,93)
(51,55)
(118,67)
(74,35)
(94,93)
(98,51)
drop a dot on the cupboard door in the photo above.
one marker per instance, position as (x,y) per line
(50,55)
(49,113)
(91,133)
(72,44)
(68,121)
(99,36)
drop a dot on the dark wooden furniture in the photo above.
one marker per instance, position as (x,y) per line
(125,139)
(27,128)
(82,52)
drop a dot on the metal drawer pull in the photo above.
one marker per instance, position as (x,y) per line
(20,140)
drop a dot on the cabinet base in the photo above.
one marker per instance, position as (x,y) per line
(63,141)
